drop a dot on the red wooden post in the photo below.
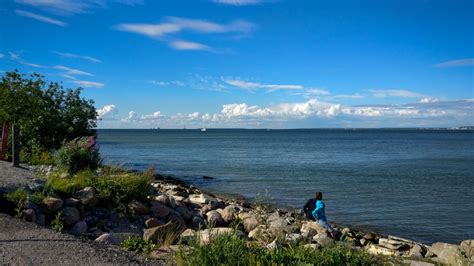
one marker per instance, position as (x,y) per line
(3,146)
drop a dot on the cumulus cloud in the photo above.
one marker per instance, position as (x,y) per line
(106,111)
(71,55)
(89,84)
(457,63)
(152,116)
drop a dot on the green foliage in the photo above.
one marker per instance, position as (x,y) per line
(79,154)
(17,196)
(41,157)
(47,113)
(137,244)
(37,197)
(57,223)
(232,250)
(67,185)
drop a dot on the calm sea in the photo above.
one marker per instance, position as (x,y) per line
(413,183)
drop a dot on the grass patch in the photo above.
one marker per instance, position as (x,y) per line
(67,186)
(17,196)
(137,244)
(233,250)
(57,224)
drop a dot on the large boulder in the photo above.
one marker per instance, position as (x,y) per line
(279,226)
(88,196)
(185,213)
(152,222)
(312,228)
(206,236)
(229,213)
(159,210)
(162,199)
(250,221)
(52,204)
(79,228)
(378,250)
(448,254)
(324,240)
(214,218)
(176,218)
(392,244)
(70,216)
(201,199)
(468,247)
(137,207)
(158,234)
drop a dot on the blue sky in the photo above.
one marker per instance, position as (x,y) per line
(252,63)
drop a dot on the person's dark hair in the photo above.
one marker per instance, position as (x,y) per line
(319,195)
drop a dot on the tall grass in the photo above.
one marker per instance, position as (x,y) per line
(233,250)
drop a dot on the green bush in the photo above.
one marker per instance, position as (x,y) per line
(232,250)
(17,196)
(68,185)
(137,244)
(57,223)
(79,154)
(41,157)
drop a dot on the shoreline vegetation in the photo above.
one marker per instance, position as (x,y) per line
(159,216)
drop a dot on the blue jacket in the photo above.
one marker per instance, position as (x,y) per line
(319,213)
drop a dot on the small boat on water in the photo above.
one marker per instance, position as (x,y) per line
(203,129)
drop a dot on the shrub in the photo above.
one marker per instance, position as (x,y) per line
(232,250)
(69,185)
(41,157)
(79,154)
(137,244)
(57,223)
(19,195)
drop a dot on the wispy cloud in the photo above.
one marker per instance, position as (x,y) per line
(457,63)
(130,2)
(238,2)
(41,18)
(238,83)
(16,57)
(168,83)
(70,55)
(396,93)
(88,84)
(63,7)
(172,25)
(185,45)
(72,71)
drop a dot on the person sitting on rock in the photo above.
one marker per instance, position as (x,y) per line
(308,208)
(320,215)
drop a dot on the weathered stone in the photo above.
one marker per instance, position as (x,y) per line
(164,252)
(88,196)
(79,228)
(323,240)
(448,254)
(257,232)
(378,250)
(346,231)
(176,218)
(370,236)
(207,235)
(392,244)
(185,213)
(229,213)
(137,207)
(159,210)
(72,202)
(198,222)
(311,228)
(70,216)
(109,239)
(416,251)
(294,238)
(201,199)
(249,221)
(187,235)
(163,199)
(274,245)
(29,215)
(152,222)
(52,204)
(312,246)
(214,218)
(157,234)
(468,247)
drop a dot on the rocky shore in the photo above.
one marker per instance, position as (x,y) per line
(185,211)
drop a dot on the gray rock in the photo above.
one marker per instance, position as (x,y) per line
(392,244)
(162,199)
(207,235)
(152,222)
(274,245)
(158,234)
(79,228)
(249,221)
(198,222)
(378,250)
(417,251)
(294,238)
(88,196)
(324,240)
(201,199)
(448,254)
(214,218)
(310,229)
(185,213)
(187,235)
(29,215)
(159,210)
(229,213)
(72,202)
(70,216)
(137,207)
(109,239)
(52,204)
(41,219)
(468,247)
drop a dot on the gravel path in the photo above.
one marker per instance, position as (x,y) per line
(24,243)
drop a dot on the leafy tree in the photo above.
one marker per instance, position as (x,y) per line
(47,113)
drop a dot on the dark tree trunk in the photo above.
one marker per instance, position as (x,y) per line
(3,145)
(16,145)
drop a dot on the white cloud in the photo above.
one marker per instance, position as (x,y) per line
(255,85)
(185,45)
(70,55)
(107,110)
(168,83)
(152,116)
(64,7)
(428,100)
(16,57)
(457,63)
(238,2)
(88,84)
(316,92)
(41,18)
(71,71)
(396,93)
